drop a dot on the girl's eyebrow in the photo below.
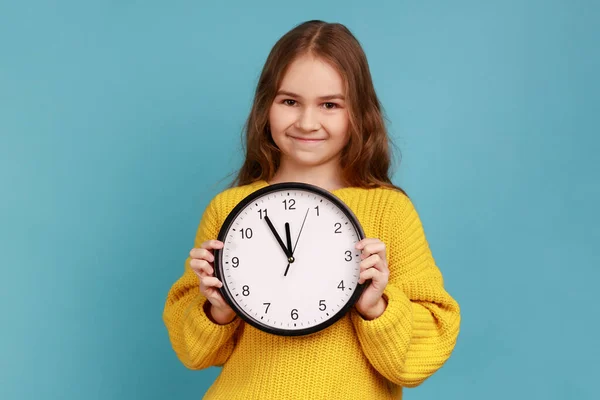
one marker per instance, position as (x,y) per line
(328,97)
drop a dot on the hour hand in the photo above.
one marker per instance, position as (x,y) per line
(288,237)
(285,250)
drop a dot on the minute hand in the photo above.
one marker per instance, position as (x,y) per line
(298,238)
(302,227)
(287,252)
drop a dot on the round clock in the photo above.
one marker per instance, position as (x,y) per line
(289,265)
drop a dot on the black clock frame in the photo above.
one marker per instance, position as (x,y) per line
(218,253)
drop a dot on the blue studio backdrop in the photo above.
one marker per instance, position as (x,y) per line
(120,120)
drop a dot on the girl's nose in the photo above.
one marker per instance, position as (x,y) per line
(308,120)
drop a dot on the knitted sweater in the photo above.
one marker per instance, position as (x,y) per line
(352,359)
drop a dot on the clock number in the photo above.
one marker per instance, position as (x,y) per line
(338,227)
(261,212)
(290,205)
(348,255)
(246,233)
(317,208)
(268,305)
(322,304)
(236,262)
(245,290)
(341,285)
(294,314)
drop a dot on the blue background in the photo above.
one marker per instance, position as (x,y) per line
(120,119)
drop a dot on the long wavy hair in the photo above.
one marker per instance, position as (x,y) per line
(366,159)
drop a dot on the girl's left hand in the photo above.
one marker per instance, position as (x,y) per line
(373,266)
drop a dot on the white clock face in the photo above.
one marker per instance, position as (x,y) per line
(302,284)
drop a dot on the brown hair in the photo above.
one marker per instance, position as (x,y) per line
(365,160)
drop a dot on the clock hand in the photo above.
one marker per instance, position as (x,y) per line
(289,245)
(285,250)
(294,249)
(288,238)
(306,215)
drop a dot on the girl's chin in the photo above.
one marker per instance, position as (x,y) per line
(305,159)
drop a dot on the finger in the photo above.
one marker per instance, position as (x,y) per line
(210,282)
(212,244)
(373,248)
(201,266)
(370,273)
(202,254)
(361,244)
(213,295)
(373,261)
(201,275)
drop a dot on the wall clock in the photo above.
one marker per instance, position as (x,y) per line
(289,265)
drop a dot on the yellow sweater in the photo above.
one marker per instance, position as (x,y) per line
(352,359)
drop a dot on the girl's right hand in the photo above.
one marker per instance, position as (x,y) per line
(201,262)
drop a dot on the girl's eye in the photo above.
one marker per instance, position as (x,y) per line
(328,105)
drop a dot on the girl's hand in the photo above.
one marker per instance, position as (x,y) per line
(201,262)
(371,303)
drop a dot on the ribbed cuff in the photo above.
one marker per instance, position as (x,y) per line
(386,338)
(203,328)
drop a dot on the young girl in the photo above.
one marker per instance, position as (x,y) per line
(316,119)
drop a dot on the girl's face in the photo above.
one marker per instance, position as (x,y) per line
(308,118)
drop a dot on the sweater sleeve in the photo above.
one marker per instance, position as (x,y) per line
(198,341)
(418,330)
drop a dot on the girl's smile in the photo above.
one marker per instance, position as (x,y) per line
(306,140)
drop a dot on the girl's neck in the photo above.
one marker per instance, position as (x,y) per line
(323,176)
